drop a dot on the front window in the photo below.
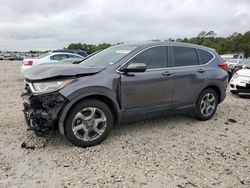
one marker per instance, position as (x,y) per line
(154,58)
(108,56)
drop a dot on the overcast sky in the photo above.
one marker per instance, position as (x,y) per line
(53,24)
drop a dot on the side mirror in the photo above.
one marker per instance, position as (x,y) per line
(135,67)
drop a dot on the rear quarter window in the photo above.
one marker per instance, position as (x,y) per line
(205,56)
(59,57)
(184,56)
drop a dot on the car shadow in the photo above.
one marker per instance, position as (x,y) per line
(169,122)
(58,141)
(241,97)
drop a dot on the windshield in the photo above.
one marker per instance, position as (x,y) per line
(108,56)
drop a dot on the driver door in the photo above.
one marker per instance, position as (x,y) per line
(151,91)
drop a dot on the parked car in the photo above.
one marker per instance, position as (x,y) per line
(244,63)
(233,59)
(70,61)
(9,57)
(76,51)
(75,60)
(233,62)
(229,70)
(51,57)
(121,84)
(240,82)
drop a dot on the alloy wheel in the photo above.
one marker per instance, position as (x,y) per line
(208,104)
(89,124)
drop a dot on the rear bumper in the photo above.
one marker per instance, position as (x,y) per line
(41,112)
(223,90)
(223,96)
(24,68)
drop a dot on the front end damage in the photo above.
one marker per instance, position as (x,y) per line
(41,111)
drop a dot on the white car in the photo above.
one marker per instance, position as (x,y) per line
(233,62)
(240,82)
(233,59)
(51,57)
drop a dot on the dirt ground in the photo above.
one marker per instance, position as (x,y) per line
(176,151)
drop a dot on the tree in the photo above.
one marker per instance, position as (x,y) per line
(209,34)
(75,46)
(201,34)
(236,42)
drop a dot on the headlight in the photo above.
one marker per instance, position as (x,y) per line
(235,76)
(50,86)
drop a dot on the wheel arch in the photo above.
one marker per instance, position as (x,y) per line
(216,89)
(111,103)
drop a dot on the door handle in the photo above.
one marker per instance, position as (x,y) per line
(167,73)
(201,70)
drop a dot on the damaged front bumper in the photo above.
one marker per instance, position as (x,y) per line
(41,111)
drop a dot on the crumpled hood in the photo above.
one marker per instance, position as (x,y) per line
(48,71)
(244,72)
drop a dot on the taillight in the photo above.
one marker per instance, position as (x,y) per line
(28,63)
(223,64)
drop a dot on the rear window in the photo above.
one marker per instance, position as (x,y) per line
(184,56)
(205,56)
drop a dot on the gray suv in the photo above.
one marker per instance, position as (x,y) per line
(121,84)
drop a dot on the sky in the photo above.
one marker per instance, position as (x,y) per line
(54,24)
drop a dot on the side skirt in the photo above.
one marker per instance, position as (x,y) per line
(136,114)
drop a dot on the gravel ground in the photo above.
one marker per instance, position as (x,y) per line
(176,151)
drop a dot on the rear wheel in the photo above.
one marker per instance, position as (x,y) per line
(206,105)
(88,123)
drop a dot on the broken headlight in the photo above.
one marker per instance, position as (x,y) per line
(49,86)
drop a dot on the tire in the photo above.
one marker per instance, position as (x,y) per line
(84,131)
(205,110)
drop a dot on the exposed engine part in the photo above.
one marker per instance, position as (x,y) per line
(40,112)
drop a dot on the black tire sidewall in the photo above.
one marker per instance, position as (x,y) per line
(78,107)
(199,115)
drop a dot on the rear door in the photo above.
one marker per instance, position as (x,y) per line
(189,76)
(150,91)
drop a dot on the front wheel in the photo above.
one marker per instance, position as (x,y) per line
(206,105)
(88,123)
